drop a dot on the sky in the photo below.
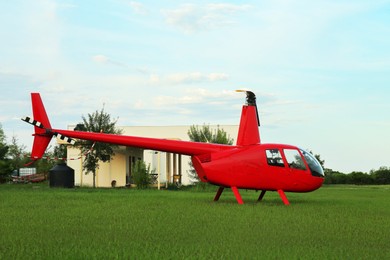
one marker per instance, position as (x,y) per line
(320,69)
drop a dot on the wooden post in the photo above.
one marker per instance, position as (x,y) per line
(158,170)
(179,167)
(174,164)
(168,168)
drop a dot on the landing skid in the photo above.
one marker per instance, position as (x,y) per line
(219,192)
(261,195)
(239,198)
(235,191)
(283,197)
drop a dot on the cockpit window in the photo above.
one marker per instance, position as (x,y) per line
(314,165)
(274,158)
(294,159)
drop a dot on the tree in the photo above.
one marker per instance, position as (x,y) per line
(334,177)
(381,176)
(322,162)
(206,135)
(16,154)
(97,122)
(46,163)
(60,152)
(359,178)
(3,145)
(17,158)
(318,157)
(5,164)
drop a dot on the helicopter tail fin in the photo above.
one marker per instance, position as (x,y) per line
(42,128)
(248,132)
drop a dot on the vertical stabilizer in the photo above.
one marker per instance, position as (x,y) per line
(248,132)
(41,136)
(39,112)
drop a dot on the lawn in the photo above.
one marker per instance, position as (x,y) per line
(338,222)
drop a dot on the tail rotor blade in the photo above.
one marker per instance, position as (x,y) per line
(33,122)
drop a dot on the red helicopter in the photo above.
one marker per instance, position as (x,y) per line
(247,165)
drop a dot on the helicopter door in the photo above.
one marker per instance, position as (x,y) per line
(294,159)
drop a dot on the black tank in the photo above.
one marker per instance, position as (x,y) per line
(61,175)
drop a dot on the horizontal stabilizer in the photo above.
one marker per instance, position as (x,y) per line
(65,138)
(39,146)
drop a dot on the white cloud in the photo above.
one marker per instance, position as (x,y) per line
(163,101)
(188,78)
(197,96)
(102,59)
(217,76)
(227,8)
(202,101)
(191,106)
(201,92)
(154,79)
(138,7)
(192,18)
(191,96)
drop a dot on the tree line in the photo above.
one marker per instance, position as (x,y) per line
(374,177)
(380,176)
(13,156)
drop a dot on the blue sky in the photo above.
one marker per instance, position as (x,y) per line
(320,69)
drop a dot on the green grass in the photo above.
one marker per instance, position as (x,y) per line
(335,222)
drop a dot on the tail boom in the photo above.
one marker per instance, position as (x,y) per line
(164,145)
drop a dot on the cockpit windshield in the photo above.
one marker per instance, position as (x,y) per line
(314,165)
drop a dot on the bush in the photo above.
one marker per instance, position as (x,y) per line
(141,174)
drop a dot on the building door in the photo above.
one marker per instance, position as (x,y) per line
(129,174)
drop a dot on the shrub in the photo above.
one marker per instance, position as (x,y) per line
(141,174)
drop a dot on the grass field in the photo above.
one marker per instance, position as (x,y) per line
(335,222)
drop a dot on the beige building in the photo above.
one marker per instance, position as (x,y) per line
(168,167)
